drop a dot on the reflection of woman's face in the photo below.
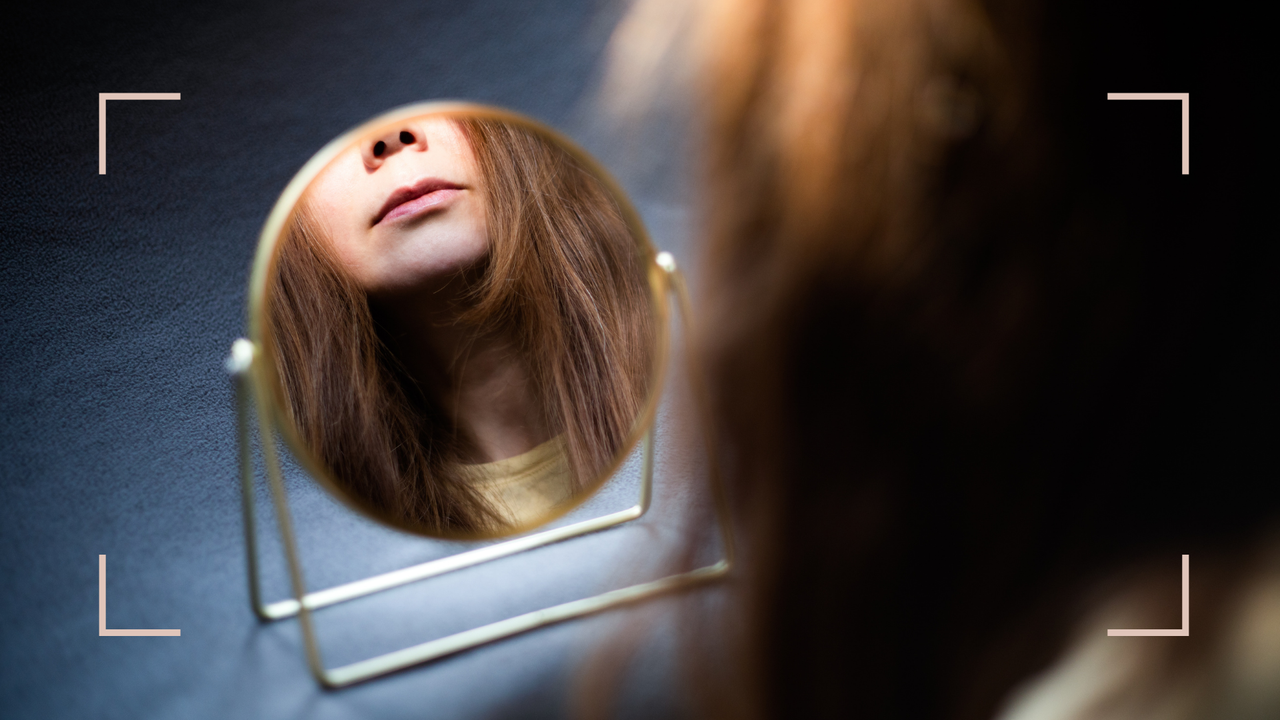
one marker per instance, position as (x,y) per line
(402,209)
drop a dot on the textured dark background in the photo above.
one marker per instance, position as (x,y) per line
(121,295)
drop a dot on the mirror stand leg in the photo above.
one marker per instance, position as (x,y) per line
(701,402)
(238,365)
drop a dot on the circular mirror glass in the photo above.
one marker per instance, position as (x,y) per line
(459,321)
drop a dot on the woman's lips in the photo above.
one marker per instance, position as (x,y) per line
(417,198)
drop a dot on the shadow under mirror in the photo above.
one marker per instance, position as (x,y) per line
(458,314)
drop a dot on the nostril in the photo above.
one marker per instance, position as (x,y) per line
(406,137)
(379,148)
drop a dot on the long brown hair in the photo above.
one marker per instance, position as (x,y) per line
(914,307)
(564,274)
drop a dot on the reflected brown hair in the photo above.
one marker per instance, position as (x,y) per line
(564,275)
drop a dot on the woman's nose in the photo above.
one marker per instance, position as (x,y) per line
(378,148)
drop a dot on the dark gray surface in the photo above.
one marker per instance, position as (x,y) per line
(121,295)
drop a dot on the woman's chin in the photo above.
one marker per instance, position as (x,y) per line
(432,280)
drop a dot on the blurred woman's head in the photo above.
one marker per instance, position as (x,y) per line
(887,277)
(922,319)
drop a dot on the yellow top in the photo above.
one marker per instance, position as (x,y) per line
(527,487)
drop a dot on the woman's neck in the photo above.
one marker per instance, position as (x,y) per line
(479,379)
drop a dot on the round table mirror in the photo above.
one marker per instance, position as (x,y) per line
(459,319)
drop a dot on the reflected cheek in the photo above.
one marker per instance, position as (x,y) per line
(352,253)
(474,246)
(339,229)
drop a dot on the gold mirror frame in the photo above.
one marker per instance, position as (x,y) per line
(255,382)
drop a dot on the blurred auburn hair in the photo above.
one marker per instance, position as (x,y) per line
(911,308)
(564,276)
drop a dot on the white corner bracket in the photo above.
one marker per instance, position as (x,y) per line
(1183,631)
(1186,118)
(102,118)
(102,611)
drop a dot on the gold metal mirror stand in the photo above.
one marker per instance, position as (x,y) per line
(304,603)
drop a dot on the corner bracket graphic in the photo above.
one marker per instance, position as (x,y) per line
(1183,631)
(1186,118)
(102,611)
(102,118)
